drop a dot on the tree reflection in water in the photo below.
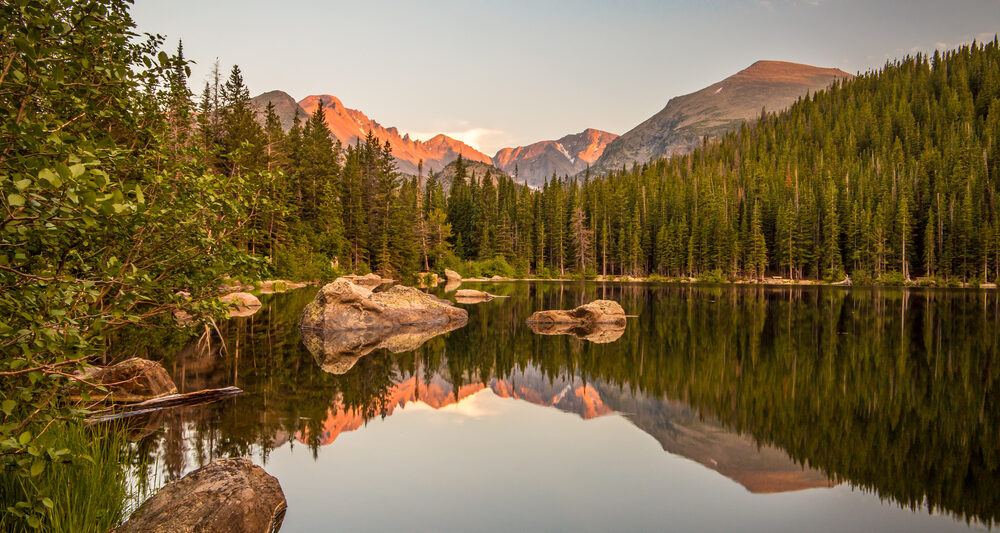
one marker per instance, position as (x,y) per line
(892,391)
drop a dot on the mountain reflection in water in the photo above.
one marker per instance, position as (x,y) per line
(778,389)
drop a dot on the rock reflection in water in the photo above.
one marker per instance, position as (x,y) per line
(598,333)
(337,352)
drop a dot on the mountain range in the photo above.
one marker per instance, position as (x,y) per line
(687,120)
(677,128)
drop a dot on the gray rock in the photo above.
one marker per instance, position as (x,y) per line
(596,312)
(225,496)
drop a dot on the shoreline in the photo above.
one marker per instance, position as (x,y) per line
(766,282)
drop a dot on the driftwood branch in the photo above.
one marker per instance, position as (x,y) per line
(163,402)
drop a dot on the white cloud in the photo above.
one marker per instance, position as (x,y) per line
(486,140)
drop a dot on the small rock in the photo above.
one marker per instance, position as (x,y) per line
(470,293)
(278,285)
(241,303)
(183,318)
(370,280)
(428,279)
(225,496)
(134,380)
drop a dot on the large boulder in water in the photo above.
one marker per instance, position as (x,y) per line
(225,496)
(134,380)
(596,312)
(343,305)
(452,276)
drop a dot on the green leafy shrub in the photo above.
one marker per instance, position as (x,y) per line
(715,276)
(892,279)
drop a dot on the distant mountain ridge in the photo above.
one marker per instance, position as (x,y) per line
(350,125)
(569,155)
(677,128)
(681,125)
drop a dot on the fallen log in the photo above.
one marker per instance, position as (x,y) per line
(163,402)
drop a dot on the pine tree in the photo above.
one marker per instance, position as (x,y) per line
(758,246)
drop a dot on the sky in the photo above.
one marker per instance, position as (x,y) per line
(511,73)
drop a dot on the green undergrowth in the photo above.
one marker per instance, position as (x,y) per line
(87,490)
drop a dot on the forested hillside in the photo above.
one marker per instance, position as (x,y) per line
(887,176)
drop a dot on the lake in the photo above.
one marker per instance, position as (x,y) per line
(717,408)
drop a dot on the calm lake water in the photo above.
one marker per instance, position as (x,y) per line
(717,408)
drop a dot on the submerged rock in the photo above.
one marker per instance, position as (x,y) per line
(241,303)
(428,279)
(233,285)
(368,280)
(343,305)
(225,496)
(469,296)
(278,285)
(337,352)
(596,312)
(134,380)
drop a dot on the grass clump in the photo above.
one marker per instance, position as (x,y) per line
(84,489)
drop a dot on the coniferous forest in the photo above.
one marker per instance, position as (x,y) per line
(886,176)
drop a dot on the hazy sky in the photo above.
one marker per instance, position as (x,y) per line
(510,73)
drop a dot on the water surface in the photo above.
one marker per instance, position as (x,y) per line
(718,408)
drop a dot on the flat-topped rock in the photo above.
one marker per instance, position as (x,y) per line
(343,306)
(470,293)
(596,312)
